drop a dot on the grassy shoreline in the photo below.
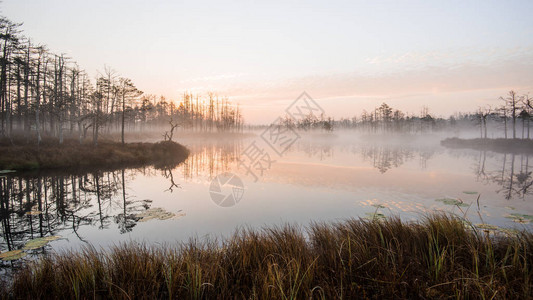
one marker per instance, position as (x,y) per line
(497,145)
(72,155)
(435,258)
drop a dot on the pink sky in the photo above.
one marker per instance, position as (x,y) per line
(349,55)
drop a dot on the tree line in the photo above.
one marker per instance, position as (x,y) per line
(47,94)
(510,119)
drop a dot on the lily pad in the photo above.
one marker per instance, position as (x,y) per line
(10,253)
(487,227)
(510,207)
(35,244)
(470,192)
(147,218)
(166,216)
(34,212)
(378,206)
(375,216)
(524,216)
(519,218)
(6,171)
(15,257)
(450,201)
(154,213)
(52,238)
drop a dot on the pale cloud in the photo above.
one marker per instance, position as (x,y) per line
(445,89)
(211,78)
(451,58)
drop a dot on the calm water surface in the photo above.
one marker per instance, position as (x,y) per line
(320,178)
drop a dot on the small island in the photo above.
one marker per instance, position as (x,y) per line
(497,145)
(73,156)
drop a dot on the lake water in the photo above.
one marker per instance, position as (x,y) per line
(321,177)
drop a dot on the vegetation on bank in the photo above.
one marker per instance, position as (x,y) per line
(72,155)
(436,258)
(496,145)
(47,94)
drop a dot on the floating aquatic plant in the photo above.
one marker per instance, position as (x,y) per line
(520,218)
(487,227)
(379,205)
(470,192)
(10,253)
(19,255)
(40,242)
(156,213)
(35,244)
(34,212)
(375,216)
(450,201)
(52,238)
(146,218)
(524,216)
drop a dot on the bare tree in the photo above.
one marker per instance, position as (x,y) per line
(512,101)
(483,114)
(168,135)
(127,91)
(528,107)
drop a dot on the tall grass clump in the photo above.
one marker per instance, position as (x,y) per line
(436,258)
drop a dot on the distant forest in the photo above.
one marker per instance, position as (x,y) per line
(511,119)
(47,94)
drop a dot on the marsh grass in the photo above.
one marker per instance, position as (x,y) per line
(72,155)
(437,257)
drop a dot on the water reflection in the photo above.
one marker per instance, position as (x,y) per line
(382,157)
(313,149)
(40,205)
(211,159)
(314,180)
(513,177)
(385,158)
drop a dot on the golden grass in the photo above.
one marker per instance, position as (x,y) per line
(436,258)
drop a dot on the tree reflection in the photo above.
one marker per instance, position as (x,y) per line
(126,219)
(313,149)
(514,176)
(384,157)
(523,178)
(34,206)
(210,159)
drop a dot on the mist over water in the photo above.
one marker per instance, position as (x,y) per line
(321,177)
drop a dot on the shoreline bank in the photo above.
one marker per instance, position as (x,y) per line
(516,146)
(71,155)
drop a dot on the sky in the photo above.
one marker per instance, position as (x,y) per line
(348,55)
